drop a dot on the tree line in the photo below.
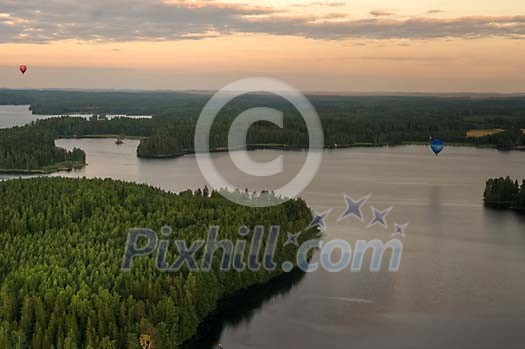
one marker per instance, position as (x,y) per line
(346,120)
(171,135)
(505,193)
(63,241)
(33,148)
(506,140)
(159,146)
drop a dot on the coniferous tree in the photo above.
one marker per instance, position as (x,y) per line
(63,240)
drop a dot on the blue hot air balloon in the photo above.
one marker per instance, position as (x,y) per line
(437,146)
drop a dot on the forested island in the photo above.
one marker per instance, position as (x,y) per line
(63,241)
(505,193)
(347,120)
(31,149)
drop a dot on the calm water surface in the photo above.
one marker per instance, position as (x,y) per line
(462,278)
(461,282)
(16,115)
(20,115)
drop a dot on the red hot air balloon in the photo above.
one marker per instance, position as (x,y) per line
(23,69)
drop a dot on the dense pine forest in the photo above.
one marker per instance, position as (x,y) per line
(63,241)
(31,148)
(346,120)
(505,193)
(159,145)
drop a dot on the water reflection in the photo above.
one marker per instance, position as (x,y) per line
(462,276)
(241,308)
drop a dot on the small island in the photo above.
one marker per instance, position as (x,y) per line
(505,193)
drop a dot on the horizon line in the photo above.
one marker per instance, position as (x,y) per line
(308,92)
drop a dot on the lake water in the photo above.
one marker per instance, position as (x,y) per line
(20,115)
(461,282)
(16,115)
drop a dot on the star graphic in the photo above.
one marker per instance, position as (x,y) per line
(318,220)
(379,217)
(353,207)
(400,230)
(293,239)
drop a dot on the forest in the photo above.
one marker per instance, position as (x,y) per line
(63,241)
(33,149)
(505,193)
(346,120)
(159,146)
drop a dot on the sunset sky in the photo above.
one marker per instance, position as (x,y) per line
(343,46)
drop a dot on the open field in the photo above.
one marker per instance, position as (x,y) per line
(483,133)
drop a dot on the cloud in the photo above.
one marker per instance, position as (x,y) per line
(429,59)
(397,58)
(119,20)
(381,13)
(153,20)
(431,12)
(379,28)
(319,3)
(330,4)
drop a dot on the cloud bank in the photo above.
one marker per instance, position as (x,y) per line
(37,21)
(381,13)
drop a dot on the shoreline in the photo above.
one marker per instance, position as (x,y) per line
(253,147)
(105,136)
(504,206)
(59,167)
(246,300)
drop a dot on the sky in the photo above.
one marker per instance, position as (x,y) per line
(433,46)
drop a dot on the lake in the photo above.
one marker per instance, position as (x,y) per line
(20,115)
(461,282)
(16,115)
